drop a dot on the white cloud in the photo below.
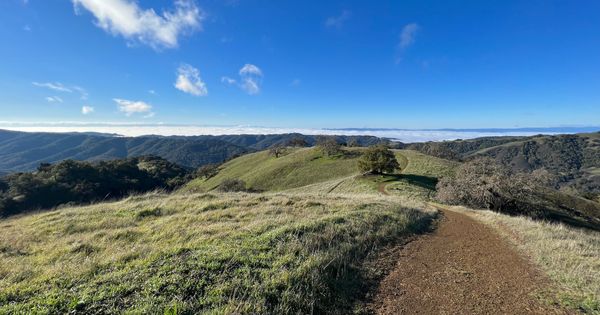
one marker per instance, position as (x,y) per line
(408,34)
(56,86)
(189,81)
(338,21)
(250,79)
(54,99)
(86,110)
(132,107)
(228,80)
(153,92)
(126,18)
(249,69)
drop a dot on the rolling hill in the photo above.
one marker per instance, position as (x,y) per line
(314,239)
(574,159)
(308,169)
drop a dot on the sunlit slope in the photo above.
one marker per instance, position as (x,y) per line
(198,253)
(307,170)
(299,167)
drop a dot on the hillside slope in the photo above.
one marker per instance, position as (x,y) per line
(307,170)
(574,159)
(297,168)
(23,151)
(195,253)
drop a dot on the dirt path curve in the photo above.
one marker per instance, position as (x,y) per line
(381,189)
(463,267)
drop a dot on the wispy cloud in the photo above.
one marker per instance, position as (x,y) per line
(82,92)
(338,21)
(408,34)
(133,107)
(250,79)
(189,81)
(126,18)
(59,87)
(54,99)
(228,80)
(407,38)
(295,83)
(56,86)
(86,110)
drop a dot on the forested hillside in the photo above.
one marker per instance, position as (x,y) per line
(80,182)
(574,159)
(20,151)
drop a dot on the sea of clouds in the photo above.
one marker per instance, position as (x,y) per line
(403,135)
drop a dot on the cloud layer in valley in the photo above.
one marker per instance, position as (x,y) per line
(403,135)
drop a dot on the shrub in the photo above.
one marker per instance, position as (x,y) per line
(329,145)
(483,183)
(207,171)
(297,142)
(378,160)
(232,185)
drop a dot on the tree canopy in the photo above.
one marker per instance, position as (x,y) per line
(84,182)
(378,159)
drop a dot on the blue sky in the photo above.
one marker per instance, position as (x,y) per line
(305,64)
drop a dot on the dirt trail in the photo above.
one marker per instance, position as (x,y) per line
(463,267)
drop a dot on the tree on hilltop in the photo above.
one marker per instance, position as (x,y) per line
(329,145)
(378,159)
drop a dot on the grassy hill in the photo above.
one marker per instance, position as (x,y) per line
(308,170)
(299,167)
(194,253)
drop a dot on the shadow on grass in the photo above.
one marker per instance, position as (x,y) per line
(427,182)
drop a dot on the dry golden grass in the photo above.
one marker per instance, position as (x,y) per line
(569,256)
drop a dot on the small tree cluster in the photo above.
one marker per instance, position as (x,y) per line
(232,185)
(378,159)
(297,142)
(329,145)
(483,183)
(277,150)
(207,171)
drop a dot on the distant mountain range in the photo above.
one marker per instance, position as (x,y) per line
(23,151)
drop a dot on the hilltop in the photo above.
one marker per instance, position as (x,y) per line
(308,169)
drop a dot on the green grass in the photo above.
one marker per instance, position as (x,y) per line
(299,167)
(199,253)
(307,170)
(420,174)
